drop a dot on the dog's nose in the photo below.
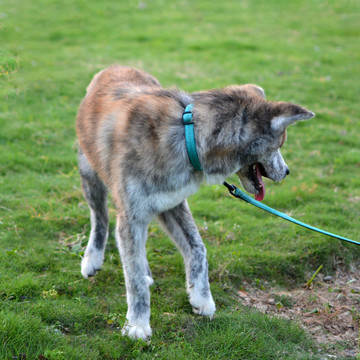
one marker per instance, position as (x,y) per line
(287,171)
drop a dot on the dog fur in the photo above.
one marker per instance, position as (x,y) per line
(132,142)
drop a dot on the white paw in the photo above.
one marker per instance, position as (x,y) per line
(149,280)
(203,306)
(91,263)
(137,331)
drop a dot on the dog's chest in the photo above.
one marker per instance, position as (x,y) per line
(158,202)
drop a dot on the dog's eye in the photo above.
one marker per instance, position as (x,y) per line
(283,139)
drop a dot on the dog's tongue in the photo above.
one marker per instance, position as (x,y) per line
(260,196)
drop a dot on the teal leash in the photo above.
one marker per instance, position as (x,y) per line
(240,195)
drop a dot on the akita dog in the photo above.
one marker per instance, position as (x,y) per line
(132,142)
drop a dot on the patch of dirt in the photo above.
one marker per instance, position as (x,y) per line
(329,309)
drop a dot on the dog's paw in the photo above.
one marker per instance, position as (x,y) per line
(91,263)
(203,306)
(137,331)
(149,280)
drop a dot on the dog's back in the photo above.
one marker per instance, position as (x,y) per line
(107,90)
(112,108)
(120,76)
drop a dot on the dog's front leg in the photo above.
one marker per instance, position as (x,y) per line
(179,224)
(131,240)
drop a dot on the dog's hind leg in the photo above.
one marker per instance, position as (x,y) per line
(95,193)
(179,224)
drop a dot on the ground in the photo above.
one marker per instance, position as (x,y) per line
(328,309)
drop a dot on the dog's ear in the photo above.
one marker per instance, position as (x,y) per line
(255,89)
(285,114)
(259,90)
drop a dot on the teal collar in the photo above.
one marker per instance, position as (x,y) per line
(190,137)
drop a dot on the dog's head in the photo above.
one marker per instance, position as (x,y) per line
(266,130)
(240,131)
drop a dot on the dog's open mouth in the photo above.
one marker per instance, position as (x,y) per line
(258,171)
(251,180)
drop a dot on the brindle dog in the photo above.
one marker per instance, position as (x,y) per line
(132,142)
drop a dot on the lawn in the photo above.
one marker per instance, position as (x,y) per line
(306,52)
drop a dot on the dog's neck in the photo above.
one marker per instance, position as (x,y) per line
(216,142)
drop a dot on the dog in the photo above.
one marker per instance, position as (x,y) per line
(132,141)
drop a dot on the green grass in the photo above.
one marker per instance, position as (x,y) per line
(301,51)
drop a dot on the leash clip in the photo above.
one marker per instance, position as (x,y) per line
(231,188)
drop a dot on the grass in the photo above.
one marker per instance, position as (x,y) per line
(300,51)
